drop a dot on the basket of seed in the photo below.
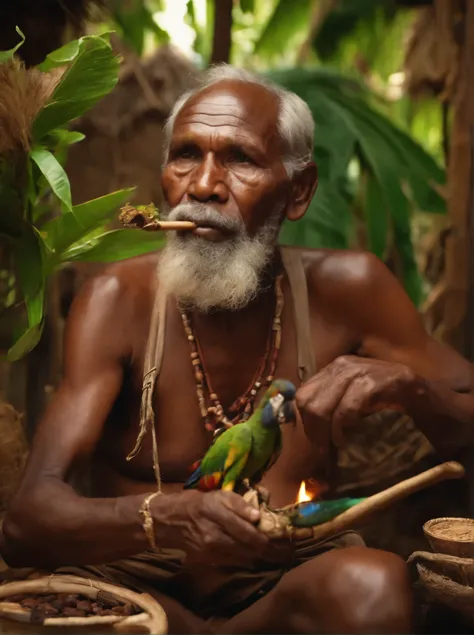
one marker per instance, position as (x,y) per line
(447,575)
(71,602)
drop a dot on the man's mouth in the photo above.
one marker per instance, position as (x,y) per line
(211,232)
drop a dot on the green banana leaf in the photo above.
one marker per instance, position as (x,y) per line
(115,245)
(6,56)
(396,174)
(91,74)
(288,18)
(65,230)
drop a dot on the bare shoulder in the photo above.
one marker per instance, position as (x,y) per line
(345,273)
(125,282)
(113,305)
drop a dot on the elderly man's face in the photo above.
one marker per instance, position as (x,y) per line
(226,153)
(225,172)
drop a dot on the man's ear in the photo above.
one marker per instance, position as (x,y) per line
(304,187)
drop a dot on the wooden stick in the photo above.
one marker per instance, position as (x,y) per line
(384,499)
(168,225)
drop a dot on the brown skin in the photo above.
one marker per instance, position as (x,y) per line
(369,344)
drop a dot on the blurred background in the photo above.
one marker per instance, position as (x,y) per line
(388,84)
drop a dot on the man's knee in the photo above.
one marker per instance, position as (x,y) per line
(353,590)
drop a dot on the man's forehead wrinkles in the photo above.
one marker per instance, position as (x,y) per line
(213,115)
(209,124)
(215,104)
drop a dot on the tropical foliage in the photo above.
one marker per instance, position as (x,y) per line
(35,183)
(373,176)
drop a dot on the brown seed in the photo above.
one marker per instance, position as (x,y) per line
(85,605)
(58,604)
(15,598)
(118,610)
(30,603)
(49,598)
(128,609)
(70,611)
(47,609)
(107,612)
(71,599)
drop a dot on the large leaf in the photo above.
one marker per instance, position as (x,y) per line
(28,254)
(115,245)
(376,217)
(328,222)
(54,174)
(67,229)
(26,342)
(92,74)
(247,6)
(6,56)
(286,20)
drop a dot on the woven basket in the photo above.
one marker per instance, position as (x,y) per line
(382,449)
(151,619)
(446,579)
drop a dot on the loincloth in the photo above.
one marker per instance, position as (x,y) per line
(209,592)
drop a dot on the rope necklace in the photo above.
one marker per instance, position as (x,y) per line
(213,414)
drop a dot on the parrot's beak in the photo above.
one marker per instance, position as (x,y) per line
(287,413)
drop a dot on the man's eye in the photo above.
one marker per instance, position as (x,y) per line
(184,153)
(240,157)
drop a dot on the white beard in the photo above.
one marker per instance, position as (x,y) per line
(205,275)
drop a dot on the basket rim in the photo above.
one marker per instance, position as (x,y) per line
(430,525)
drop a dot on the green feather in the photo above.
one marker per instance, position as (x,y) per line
(317,512)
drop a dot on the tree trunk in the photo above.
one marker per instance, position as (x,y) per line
(222,40)
(457,274)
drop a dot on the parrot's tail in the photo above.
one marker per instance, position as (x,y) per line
(193,480)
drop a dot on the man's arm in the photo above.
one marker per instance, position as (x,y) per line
(398,365)
(48,523)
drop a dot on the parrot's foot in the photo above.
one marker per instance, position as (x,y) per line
(262,492)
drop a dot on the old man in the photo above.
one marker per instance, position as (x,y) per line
(224,310)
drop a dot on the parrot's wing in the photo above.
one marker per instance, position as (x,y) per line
(224,460)
(238,453)
(257,477)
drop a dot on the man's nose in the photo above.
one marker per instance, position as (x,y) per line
(207,183)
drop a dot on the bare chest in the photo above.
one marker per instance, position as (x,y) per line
(231,366)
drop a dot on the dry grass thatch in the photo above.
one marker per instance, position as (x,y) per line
(13,452)
(23,93)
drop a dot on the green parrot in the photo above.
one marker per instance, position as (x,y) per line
(245,452)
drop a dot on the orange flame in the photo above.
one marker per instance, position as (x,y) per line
(302,495)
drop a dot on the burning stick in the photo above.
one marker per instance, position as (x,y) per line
(276,523)
(147,217)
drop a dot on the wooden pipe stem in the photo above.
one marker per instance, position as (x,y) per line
(388,497)
(170,225)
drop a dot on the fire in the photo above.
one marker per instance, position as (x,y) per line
(302,495)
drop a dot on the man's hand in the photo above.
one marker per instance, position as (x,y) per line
(216,528)
(353,387)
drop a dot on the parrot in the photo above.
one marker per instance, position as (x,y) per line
(242,454)
(311,513)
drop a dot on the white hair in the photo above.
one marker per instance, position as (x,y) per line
(295,121)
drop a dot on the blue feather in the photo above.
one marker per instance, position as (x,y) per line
(314,513)
(195,477)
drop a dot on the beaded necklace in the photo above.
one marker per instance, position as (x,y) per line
(242,408)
